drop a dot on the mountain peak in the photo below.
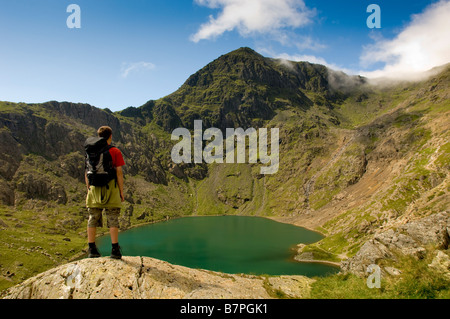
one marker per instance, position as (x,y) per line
(242,85)
(243,54)
(243,63)
(244,51)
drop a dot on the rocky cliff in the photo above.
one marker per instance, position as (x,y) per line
(148,278)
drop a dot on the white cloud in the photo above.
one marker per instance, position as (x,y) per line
(286,58)
(335,73)
(308,43)
(252,16)
(299,41)
(299,58)
(127,68)
(422,45)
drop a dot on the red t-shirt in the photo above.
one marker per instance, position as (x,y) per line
(117,157)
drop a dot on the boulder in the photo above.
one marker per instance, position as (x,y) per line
(431,230)
(149,278)
(412,239)
(370,253)
(441,263)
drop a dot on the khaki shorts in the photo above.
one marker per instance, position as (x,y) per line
(96,220)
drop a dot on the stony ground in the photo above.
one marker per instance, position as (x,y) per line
(149,278)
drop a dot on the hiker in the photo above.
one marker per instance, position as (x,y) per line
(104,181)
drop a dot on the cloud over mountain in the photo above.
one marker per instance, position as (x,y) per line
(252,16)
(420,46)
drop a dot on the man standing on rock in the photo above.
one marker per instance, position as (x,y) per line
(104,181)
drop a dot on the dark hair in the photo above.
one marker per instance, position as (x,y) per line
(105,132)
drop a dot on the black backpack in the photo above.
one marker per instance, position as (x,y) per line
(98,161)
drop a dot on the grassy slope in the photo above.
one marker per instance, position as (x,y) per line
(421,187)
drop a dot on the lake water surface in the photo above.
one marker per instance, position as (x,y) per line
(229,244)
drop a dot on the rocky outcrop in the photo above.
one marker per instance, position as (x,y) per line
(40,187)
(11,156)
(6,193)
(89,115)
(411,239)
(441,263)
(31,133)
(149,278)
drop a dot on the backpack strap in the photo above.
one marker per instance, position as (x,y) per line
(115,172)
(107,148)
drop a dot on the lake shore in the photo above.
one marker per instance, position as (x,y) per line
(256,232)
(280,219)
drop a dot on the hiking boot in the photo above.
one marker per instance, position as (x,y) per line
(116,253)
(93,252)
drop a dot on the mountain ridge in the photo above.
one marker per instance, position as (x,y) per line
(243,81)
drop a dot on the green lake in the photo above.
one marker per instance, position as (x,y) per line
(229,244)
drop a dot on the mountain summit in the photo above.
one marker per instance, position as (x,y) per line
(242,64)
(243,89)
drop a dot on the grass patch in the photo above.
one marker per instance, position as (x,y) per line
(228,187)
(345,286)
(417,281)
(443,160)
(320,253)
(34,241)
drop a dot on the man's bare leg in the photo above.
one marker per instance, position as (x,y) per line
(91,231)
(114,232)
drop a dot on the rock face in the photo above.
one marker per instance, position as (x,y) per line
(411,239)
(441,263)
(149,278)
(35,186)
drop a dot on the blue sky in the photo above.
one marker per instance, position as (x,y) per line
(128,52)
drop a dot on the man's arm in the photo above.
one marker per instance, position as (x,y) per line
(87,181)
(119,174)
